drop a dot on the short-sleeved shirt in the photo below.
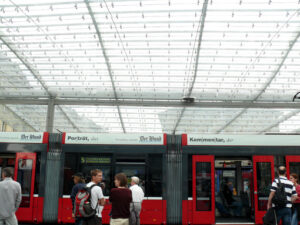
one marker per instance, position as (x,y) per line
(289,189)
(120,199)
(96,195)
(137,193)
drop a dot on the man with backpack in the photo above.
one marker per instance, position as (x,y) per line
(89,201)
(282,194)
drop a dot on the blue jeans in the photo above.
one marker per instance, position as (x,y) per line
(295,217)
(285,214)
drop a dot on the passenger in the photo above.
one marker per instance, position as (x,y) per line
(284,213)
(228,195)
(137,198)
(296,206)
(97,198)
(79,184)
(120,198)
(10,197)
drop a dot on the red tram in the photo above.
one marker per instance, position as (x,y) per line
(183,176)
(26,152)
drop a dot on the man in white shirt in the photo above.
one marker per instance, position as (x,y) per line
(137,198)
(97,198)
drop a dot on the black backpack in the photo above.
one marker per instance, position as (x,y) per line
(280,197)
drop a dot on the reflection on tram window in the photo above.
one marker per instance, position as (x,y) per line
(24,178)
(203,186)
(264,181)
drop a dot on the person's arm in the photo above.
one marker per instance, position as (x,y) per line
(101,200)
(271,195)
(19,196)
(294,195)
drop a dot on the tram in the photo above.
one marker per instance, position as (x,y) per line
(183,176)
(26,152)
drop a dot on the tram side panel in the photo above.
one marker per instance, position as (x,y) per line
(26,152)
(150,173)
(143,161)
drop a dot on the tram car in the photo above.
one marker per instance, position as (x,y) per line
(184,177)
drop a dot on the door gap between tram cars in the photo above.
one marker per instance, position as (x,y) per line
(234,190)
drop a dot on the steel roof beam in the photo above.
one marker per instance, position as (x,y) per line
(202,21)
(32,71)
(288,116)
(106,60)
(291,45)
(152,103)
(19,118)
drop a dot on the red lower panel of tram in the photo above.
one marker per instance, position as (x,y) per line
(35,215)
(153,212)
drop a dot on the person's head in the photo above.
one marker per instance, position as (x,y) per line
(134,180)
(96,175)
(78,178)
(294,178)
(282,171)
(7,172)
(120,180)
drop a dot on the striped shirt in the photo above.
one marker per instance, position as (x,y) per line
(289,189)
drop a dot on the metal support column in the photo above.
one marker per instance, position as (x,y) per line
(50,116)
(53,175)
(174,180)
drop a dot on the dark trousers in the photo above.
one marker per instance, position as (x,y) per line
(285,214)
(95,220)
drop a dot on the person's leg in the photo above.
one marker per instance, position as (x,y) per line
(11,220)
(138,212)
(2,222)
(279,215)
(132,219)
(294,217)
(237,208)
(286,218)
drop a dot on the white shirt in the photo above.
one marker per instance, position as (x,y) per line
(137,193)
(97,194)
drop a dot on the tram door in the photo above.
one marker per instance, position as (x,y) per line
(263,171)
(203,189)
(292,164)
(25,174)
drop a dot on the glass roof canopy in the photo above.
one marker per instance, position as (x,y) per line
(140,58)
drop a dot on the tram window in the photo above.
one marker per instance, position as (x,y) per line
(295,168)
(154,187)
(203,186)
(24,178)
(69,170)
(264,181)
(6,161)
(37,174)
(84,163)
(190,175)
(133,169)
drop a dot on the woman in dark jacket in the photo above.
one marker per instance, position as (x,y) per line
(120,198)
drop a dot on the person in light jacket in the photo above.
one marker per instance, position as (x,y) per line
(10,197)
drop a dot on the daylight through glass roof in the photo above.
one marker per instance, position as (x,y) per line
(126,65)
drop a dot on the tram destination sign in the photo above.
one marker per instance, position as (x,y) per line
(21,137)
(242,140)
(114,139)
